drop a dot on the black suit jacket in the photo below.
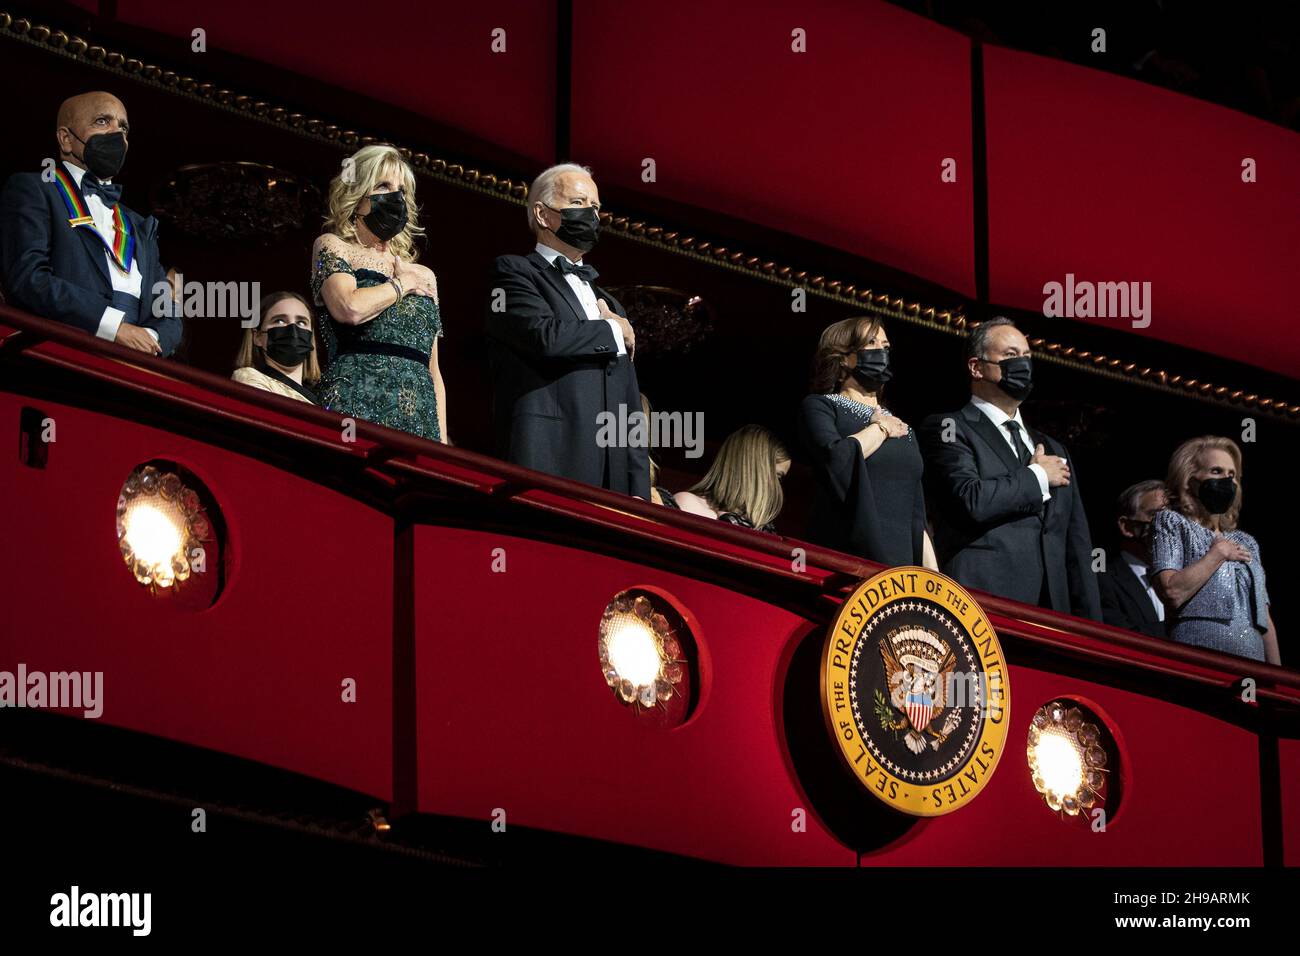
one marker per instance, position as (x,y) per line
(992,528)
(59,272)
(553,372)
(1123,601)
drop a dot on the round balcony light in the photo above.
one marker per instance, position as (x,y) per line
(161,526)
(1068,757)
(641,654)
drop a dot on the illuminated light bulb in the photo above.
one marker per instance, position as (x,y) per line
(641,656)
(633,652)
(1066,757)
(1059,763)
(153,533)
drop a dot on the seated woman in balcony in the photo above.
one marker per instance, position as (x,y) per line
(743,486)
(867,461)
(382,325)
(1207,571)
(280,354)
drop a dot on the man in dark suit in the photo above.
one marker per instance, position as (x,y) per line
(1008,518)
(72,252)
(561,347)
(1128,597)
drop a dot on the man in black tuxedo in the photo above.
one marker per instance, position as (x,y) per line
(1128,599)
(1008,518)
(561,347)
(71,251)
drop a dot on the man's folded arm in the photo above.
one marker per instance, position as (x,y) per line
(162,318)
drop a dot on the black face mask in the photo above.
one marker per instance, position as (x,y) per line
(104,153)
(288,345)
(387,216)
(872,370)
(1017,376)
(579,227)
(1217,494)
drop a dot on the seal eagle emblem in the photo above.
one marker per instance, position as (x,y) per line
(920,667)
(915,691)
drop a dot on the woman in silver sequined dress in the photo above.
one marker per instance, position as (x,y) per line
(1207,571)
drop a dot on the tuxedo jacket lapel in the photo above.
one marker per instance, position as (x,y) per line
(558,282)
(993,437)
(1037,438)
(614,305)
(1128,583)
(94,247)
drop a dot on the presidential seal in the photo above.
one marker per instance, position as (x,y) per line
(915,691)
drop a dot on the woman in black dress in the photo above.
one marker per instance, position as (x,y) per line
(866,460)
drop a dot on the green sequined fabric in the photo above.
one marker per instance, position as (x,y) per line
(386,389)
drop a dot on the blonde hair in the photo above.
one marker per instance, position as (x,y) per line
(742,478)
(356,180)
(250,352)
(1182,465)
(838,342)
(654,465)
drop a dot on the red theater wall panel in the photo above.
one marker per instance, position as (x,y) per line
(842,144)
(431,59)
(1116,181)
(1161,816)
(1289,755)
(260,673)
(514,712)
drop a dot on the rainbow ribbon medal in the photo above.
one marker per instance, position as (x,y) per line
(122,248)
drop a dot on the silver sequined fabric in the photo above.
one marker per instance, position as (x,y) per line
(863,412)
(1228,613)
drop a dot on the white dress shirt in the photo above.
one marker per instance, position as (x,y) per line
(999,418)
(129,283)
(586,295)
(1144,578)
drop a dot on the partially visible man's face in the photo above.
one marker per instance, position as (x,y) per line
(1138,527)
(572,190)
(1150,503)
(89,115)
(1005,342)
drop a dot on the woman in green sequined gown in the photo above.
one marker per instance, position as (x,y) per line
(382,323)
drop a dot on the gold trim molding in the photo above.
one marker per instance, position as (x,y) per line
(878,303)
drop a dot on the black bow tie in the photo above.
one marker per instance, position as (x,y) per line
(110,193)
(586,273)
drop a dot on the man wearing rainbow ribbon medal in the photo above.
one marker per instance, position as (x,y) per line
(71,251)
